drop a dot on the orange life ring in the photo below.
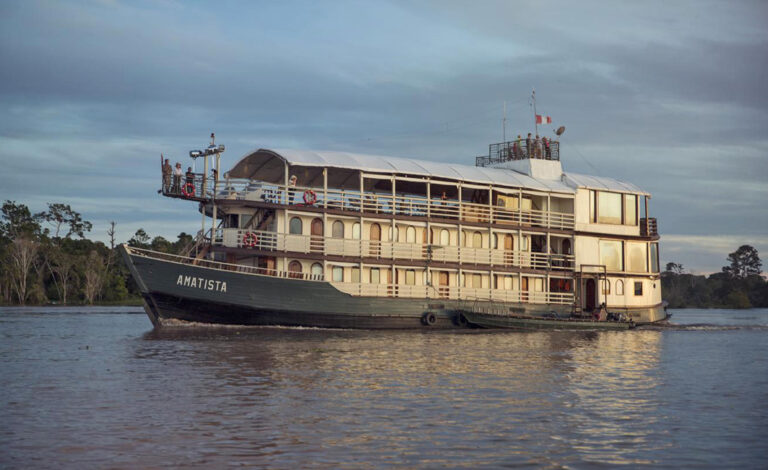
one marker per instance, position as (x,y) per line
(188,190)
(310,197)
(250,239)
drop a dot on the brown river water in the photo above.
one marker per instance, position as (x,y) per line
(99,388)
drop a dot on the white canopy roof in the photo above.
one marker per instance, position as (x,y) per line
(263,159)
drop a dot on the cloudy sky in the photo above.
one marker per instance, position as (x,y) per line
(669,95)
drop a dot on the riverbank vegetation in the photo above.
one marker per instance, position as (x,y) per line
(45,258)
(739,284)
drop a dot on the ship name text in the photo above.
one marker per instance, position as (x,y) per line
(201,283)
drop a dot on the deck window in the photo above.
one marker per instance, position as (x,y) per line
(636,257)
(294,227)
(609,208)
(654,257)
(410,277)
(356,231)
(317,271)
(337,229)
(445,237)
(477,240)
(592,206)
(375,276)
(410,235)
(611,255)
(619,287)
(630,209)
(638,288)
(356,275)
(338,274)
(606,287)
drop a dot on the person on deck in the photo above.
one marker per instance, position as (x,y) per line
(547,149)
(167,172)
(528,143)
(292,187)
(177,174)
(190,179)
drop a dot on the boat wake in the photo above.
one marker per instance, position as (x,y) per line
(703,327)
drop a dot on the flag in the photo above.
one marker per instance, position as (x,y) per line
(543,119)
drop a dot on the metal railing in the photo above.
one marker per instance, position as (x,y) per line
(453,292)
(520,149)
(280,242)
(380,203)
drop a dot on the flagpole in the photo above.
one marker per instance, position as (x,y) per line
(535,121)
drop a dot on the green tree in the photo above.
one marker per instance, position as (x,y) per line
(17,220)
(62,215)
(745,262)
(140,239)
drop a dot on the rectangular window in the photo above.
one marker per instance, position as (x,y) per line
(375,276)
(338,274)
(609,208)
(630,209)
(638,288)
(637,257)
(654,257)
(356,275)
(592,214)
(611,255)
(410,277)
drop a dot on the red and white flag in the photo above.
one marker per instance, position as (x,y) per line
(543,119)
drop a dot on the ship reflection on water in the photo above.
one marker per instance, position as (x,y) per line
(339,397)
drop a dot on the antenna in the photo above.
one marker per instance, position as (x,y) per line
(504,124)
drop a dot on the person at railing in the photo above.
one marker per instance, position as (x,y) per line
(547,149)
(190,179)
(177,174)
(292,187)
(167,172)
(537,147)
(528,143)
(514,151)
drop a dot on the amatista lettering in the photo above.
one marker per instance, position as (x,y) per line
(201,283)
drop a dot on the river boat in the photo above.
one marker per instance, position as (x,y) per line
(346,240)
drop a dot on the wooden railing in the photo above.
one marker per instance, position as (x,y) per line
(381,203)
(286,243)
(453,292)
(648,227)
(206,263)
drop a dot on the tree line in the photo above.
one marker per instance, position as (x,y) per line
(738,285)
(46,258)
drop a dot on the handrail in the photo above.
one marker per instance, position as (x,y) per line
(453,292)
(281,242)
(223,266)
(377,203)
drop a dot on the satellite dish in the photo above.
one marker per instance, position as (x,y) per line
(560,130)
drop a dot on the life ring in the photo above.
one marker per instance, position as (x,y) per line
(429,319)
(250,239)
(310,197)
(188,190)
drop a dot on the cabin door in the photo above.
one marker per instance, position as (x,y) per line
(316,239)
(375,237)
(509,246)
(589,297)
(442,284)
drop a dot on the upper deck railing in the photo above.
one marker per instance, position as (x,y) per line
(519,149)
(386,250)
(369,202)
